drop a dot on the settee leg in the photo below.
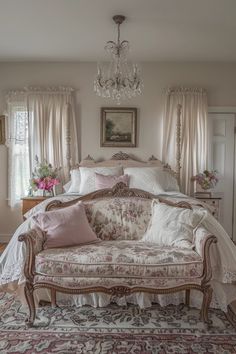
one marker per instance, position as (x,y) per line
(207,296)
(53,298)
(187,297)
(29,295)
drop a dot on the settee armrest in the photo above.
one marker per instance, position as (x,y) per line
(34,240)
(203,240)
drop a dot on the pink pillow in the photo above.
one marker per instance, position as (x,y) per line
(65,227)
(102,182)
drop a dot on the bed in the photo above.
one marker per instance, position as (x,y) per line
(223,254)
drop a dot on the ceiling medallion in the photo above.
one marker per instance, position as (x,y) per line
(119,79)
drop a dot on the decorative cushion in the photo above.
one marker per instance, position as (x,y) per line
(167,180)
(119,218)
(102,181)
(124,259)
(144,178)
(173,226)
(87,176)
(67,186)
(66,227)
(75,181)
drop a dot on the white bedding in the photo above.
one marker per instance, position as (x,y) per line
(223,257)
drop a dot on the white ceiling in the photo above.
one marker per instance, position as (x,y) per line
(158,30)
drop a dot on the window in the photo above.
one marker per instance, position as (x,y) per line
(18,143)
(42,123)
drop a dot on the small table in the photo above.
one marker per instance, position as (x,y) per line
(30,202)
(213,202)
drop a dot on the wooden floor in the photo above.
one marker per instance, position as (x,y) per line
(2,247)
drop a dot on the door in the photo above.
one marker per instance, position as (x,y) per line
(222,159)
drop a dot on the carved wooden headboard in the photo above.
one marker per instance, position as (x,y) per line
(125,160)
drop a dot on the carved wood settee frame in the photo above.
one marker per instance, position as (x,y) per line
(34,244)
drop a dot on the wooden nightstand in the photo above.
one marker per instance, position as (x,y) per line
(213,202)
(30,202)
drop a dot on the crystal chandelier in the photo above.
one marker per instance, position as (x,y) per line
(119,79)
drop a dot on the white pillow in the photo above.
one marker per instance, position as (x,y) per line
(173,226)
(167,181)
(67,186)
(144,178)
(87,176)
(75,181)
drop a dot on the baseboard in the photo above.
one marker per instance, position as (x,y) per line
(5,238)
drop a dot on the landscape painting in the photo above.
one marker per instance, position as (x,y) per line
(118,127)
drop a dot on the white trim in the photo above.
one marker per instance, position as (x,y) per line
(5,238)
(232,110)
(221,109)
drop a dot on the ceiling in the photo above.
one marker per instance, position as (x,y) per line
(77,30)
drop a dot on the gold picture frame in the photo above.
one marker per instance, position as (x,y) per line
(118,127)
(2,130)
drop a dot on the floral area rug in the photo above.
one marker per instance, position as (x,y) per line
(114,329)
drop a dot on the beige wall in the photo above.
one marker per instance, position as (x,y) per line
(218,79)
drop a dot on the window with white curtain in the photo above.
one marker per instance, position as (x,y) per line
(18,144)
(40,122)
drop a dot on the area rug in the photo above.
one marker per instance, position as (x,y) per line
(114,329)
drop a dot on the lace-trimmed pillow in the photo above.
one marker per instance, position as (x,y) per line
(173,226)
(144,178)
(74,186)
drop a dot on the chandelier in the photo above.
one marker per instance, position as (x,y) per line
(119,79)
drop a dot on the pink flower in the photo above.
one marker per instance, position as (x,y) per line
(47,183)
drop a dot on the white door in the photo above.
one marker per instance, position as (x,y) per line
(222,160)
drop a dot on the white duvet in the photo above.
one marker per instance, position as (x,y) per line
(223,259)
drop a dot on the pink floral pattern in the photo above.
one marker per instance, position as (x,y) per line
(119,218)
(120,259)
(80,282)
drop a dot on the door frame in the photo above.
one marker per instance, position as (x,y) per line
(229,109)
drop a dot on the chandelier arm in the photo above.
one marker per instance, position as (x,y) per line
(124,42)
(111,42)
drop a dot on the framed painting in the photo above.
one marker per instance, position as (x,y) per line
(2,130)
(118,127)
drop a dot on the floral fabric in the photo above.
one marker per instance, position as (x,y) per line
(119,218)
(76,282)
(120,259)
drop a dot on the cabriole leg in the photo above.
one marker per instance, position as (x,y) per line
(187,297)
(29,295)
(207,296)
(53,298)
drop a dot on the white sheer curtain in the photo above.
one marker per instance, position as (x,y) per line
(18,147)
(52,127)
(194,132)
(40,122)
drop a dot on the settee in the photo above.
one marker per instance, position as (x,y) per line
(121,264)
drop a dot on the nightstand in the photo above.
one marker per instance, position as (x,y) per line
(30,202)
(214,203)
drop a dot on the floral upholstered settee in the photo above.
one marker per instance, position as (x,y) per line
(121,263)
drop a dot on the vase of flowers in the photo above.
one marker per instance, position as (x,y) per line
(206,180)
(44,178)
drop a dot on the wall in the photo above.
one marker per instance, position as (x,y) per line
(218,78)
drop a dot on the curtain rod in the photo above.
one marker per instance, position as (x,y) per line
(42,90)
